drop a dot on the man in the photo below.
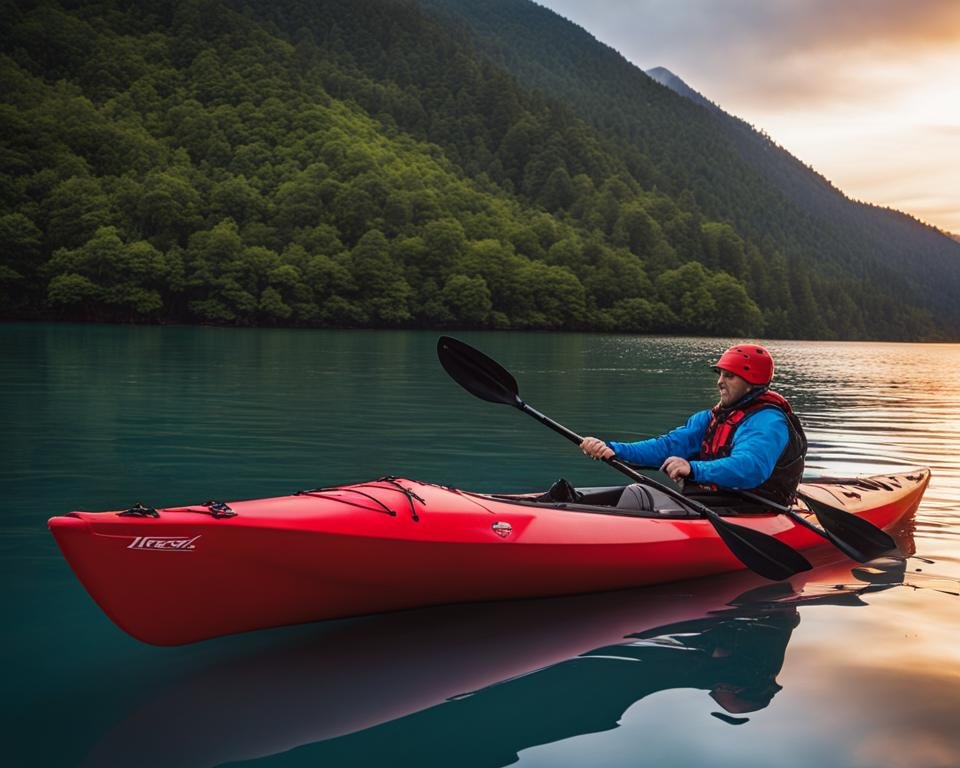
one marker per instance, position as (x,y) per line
(750,440)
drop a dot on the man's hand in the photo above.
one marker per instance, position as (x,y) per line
(596,448)
(676,468)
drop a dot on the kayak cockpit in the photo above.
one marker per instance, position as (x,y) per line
(634,500)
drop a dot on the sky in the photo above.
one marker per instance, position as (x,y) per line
(867,92)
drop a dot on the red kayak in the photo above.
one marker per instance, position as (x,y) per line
(181,574)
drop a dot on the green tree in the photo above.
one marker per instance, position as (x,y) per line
(107,279)
(569,253)
(615,275)
(20,244)
(299,202)
(641,315)
(211,257)
(467,300)
(737,314)
(236,198)
(715,302)
(636,230)
(558,193)
(724,250)
(354,211)
(75,209)
(444,246)
(383,289)
(551,298)
(169,208)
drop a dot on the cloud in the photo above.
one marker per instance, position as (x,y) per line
(950,131)
(792,52)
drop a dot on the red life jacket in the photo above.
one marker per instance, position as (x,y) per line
(717,443)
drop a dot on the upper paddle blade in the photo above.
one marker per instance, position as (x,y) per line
(863,536)
(477,373)
(764,554)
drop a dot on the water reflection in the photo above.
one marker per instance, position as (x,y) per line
(475,685)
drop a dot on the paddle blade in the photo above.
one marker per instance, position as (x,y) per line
(478,374)
(862,540)
(769,557)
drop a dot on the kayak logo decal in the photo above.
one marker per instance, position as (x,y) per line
(502,529)
(164,543)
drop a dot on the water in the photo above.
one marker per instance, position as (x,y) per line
(848,666)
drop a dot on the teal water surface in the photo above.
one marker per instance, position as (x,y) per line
(851,665)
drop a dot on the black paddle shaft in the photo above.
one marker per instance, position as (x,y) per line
(573,437)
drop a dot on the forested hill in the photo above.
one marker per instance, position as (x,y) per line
(394,164)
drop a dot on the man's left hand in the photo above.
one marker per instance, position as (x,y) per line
(676,468)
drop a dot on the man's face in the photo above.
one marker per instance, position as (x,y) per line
(732,387)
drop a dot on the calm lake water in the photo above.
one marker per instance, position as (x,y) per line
(852,665)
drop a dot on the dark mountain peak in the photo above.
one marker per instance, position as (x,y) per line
(676,84)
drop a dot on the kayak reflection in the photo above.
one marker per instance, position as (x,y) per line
(474,685)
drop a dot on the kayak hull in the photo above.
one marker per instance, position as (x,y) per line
(187,575)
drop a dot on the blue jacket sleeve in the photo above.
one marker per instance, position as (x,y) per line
(757,444)
(683,441)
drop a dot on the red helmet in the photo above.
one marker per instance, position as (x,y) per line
(749,361)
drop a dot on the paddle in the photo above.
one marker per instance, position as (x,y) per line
(485,378)
(857,538)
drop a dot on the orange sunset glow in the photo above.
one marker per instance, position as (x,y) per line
(864,91)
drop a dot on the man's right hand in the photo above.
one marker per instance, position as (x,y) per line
(595,448)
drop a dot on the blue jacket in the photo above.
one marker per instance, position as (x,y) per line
(757,444)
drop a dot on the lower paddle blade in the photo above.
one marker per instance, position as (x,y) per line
(861,535)
(478,374)
(769,557)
